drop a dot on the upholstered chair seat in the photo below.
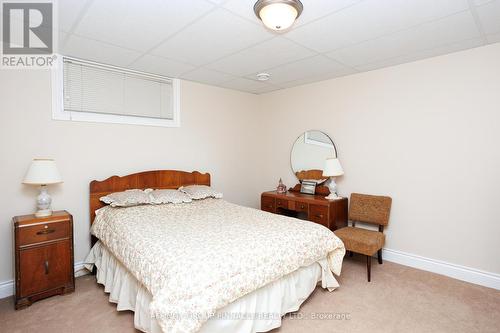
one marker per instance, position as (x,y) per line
(362,241)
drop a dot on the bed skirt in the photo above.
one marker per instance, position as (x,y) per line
(259,311)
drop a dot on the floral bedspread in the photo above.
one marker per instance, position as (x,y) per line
(196,258)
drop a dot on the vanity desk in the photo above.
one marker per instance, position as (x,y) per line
(309,154)
(315,208)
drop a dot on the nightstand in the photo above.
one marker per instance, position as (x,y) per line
(43,257)
(315,208)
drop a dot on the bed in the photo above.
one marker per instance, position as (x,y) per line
(208,265)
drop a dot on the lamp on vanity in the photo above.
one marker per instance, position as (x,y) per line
(43,172)
(332,169)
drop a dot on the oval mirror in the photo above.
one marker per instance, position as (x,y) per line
(309,153)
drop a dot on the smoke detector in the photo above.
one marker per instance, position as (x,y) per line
(263,76)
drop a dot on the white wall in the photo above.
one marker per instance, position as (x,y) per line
(217,136)
(425,133)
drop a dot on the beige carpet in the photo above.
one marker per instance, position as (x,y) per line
(399,299)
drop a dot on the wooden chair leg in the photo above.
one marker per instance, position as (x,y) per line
(368,267)
(379,256)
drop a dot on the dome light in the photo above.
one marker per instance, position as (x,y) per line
(278,15)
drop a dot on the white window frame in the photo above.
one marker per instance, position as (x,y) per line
(58,112)
(311,141)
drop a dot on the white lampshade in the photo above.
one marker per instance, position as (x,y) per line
(332,168)
(42,172)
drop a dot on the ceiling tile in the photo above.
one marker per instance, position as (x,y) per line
(423,37)
(266,89)
(139,25)
(252,86)
(370,19)
(69,12)
(217,2)
(218,34)
(209,76)
(481,2)
(441,50)
(243,8)
(311,79)
(271,53)
(161,66)
(489,16)
(313,9)
(88,49)
(310,67)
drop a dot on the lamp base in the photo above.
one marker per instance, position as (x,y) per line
(332,186)
(43,202)
(43,213)
(333,196)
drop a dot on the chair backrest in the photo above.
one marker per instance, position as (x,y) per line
(372,209)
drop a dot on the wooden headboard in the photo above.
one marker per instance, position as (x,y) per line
(159,179)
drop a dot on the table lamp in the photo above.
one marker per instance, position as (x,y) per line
(332,169)
(43,172)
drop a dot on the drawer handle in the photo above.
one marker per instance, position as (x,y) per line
(46,265)
(319,216)
(46,231)
(302,207)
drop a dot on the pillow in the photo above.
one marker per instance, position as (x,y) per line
(168,196)
(197,192)
(127,198)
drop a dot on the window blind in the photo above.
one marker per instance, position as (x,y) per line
(96,88)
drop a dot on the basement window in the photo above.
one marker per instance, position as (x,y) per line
(94,92)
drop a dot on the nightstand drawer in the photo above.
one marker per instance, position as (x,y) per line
(319,214)
(281,203)
(44,267)
(43,232)
(268,204)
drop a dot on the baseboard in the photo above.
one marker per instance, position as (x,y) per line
(7,287)
(472,275)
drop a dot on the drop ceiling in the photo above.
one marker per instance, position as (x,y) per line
(222,43)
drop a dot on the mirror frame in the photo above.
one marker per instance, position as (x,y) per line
(303,133)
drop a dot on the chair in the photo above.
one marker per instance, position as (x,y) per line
(367,209)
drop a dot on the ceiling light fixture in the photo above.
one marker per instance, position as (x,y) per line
(278,14)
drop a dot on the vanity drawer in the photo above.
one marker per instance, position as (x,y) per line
(268,204)
(319,214)
(301,207)
(281,203)
(43,232)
